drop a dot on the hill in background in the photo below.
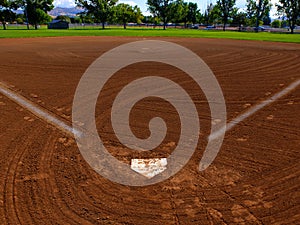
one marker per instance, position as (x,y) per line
(57,11)
(71,12)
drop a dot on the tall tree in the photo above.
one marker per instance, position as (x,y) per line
(186,12)
(85,18)
(63,18)
(193,12)
(100,9)
(226,8)
(178,12)
(6,13)
(207,14)
(239,18)
(267,19)
(150,20)
(137,15)
(36,11)
(125,13)
(291,10)
(257,10)
(211,14)
(276,24)
(161,9)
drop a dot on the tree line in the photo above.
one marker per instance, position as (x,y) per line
(162,12)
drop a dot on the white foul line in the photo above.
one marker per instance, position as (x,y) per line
(36,110)
(48,117)
(254,109)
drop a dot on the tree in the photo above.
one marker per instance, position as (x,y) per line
(137,15)
(276,24)
(266,19)
(257,11)
(36,11)
(178,12)
(225,9)
(189,13)
(211,14)
(85,18)
(19,19)
(75,19)
(161,9)
(193,12)
(186,12)
(291,10)
(150,20)
(239,18)
(41,17)
(63,18)
(6,13)
(207,14)
(284,24)
(125,13)
(100,9)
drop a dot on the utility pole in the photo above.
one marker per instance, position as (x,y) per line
(258,9)
(26,14)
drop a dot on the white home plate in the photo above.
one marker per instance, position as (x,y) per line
(149,167)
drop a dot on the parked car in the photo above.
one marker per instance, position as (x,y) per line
(210,28)
(260,28)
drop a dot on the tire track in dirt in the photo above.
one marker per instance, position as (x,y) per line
(10,209)
(50,190)
(13,160)
(29,167)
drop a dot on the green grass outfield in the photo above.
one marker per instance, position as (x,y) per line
(144,32)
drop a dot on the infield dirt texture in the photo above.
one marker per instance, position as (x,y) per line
(255,178)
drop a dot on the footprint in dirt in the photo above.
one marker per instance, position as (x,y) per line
(20,109)
(29,119)
(40,102)
(242,139)
(65,116)
(34,95)
(242,215)
(247,105)
(60,109)
(67,142)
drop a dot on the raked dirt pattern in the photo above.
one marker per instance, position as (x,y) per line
(255,178)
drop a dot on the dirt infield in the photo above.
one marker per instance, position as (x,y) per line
(255,178)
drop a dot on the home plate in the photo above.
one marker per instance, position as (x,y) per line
(149,167)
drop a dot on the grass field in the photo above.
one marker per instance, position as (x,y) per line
(262,36)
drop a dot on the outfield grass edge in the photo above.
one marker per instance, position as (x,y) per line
(262,36)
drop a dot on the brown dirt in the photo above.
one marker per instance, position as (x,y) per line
(255,178)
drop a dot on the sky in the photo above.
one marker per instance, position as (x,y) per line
(142,4)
